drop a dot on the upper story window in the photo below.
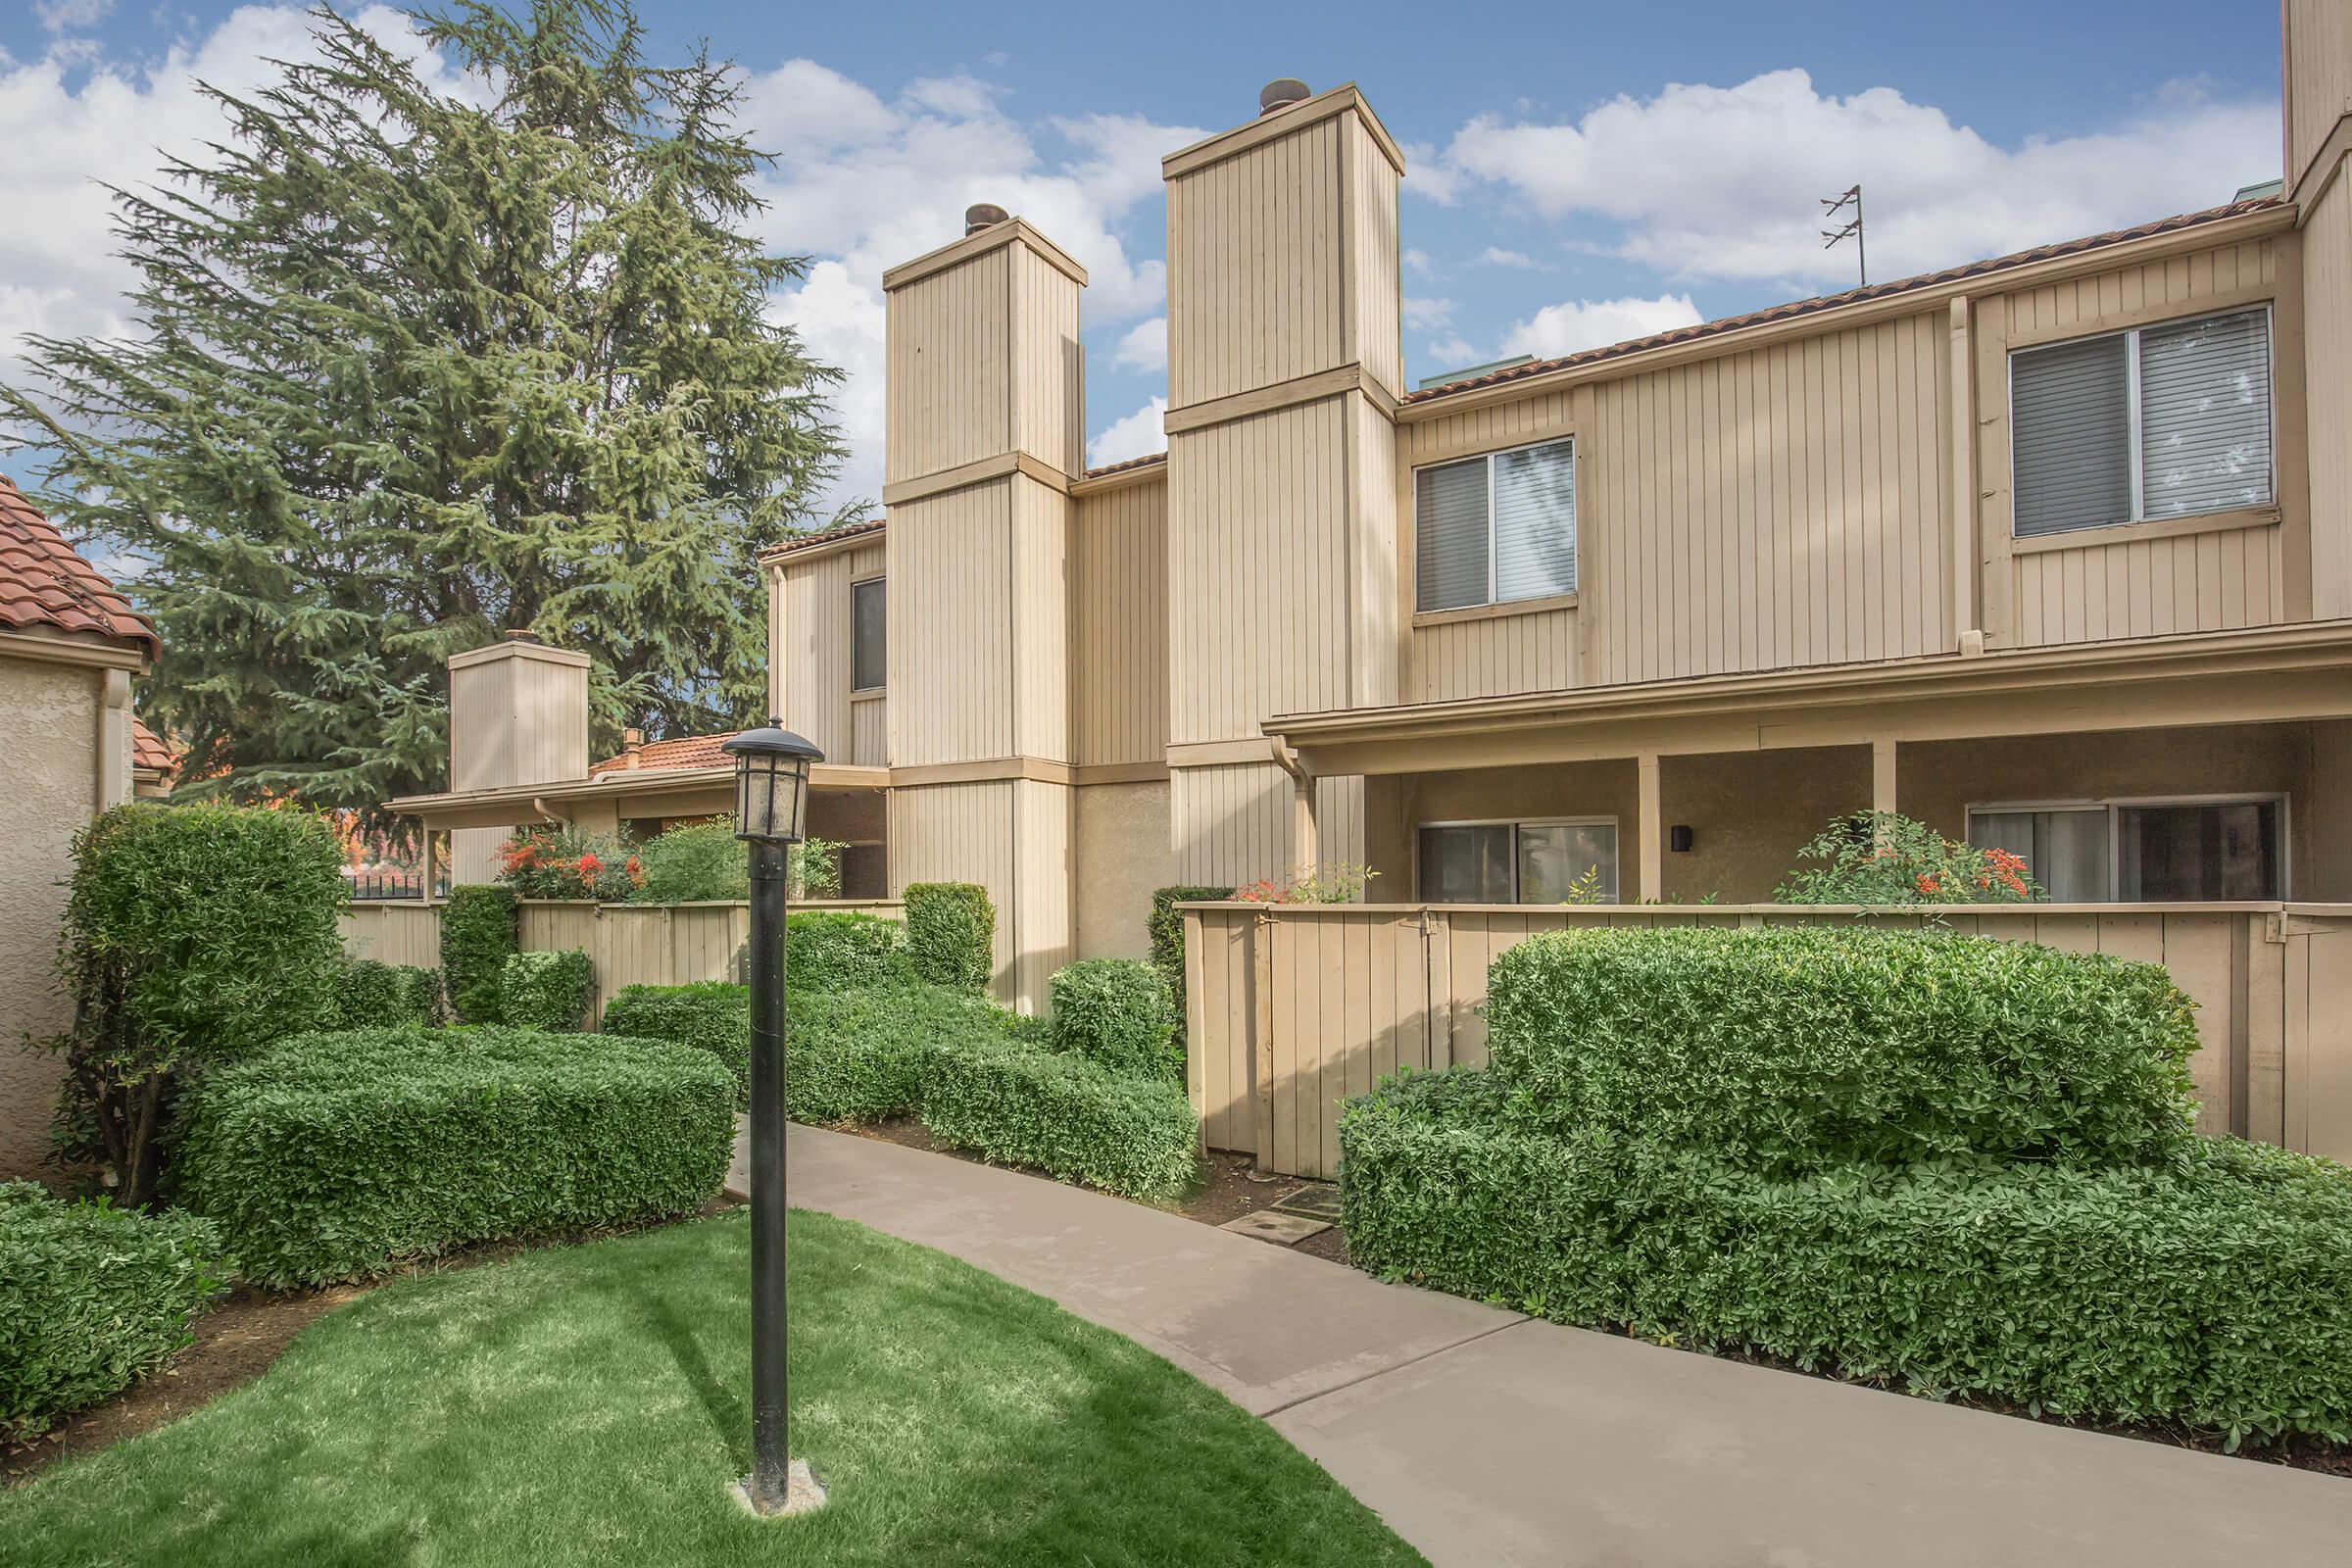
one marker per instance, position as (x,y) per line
(870,625)
(1496,528)
(2159,422)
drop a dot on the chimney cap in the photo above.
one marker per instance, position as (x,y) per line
(1281,93)
(519,634)
(983,214)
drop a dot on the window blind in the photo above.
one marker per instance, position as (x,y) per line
(2205,415)
(1535,521)
(1450,535)
(2070,413)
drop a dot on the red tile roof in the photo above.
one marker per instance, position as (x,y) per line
(825,536)
(1854,296)
(149,752)
(687,750)
(45,584)
(1131,463)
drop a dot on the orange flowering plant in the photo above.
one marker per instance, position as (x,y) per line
(547,863)
(1882,858)
(1333,882)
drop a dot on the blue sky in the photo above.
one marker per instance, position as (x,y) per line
(1579,173)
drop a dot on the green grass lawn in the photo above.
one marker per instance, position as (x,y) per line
(586,1404)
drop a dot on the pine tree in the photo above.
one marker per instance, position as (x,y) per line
(414,367)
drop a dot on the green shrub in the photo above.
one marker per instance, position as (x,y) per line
(338,1155)
(549,991)
(1165,927)
(2212,1288)
(1884,858)
(477,937)
(1012,1103)
(1782,1047)
(371,994)
(91,1296)
(193,934)
(700,862)
(712,1017)
(1117,1012)
(952,933)
(835,950)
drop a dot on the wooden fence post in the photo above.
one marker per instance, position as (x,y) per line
(1262,1034)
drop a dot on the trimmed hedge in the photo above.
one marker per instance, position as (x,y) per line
(1165,927)
(1784,1049)
(91,1296)
(1117,1012)
(2212,1288)
(952,934)
(835,950)
(1064,1115)
(548,991)
(370,995)
(712,1017)
(477,937)
(338,1155)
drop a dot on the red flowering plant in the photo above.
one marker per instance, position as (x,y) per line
(549,863)
(1334,882)
(1881,857)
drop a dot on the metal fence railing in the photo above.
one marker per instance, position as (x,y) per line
(392,884)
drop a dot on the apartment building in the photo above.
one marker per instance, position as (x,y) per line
(2051,551)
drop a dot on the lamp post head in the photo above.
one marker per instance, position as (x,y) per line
(771,783)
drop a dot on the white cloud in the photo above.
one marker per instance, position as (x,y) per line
(1137,435)
(66,143)
(801,103)
(1576,324)
(1722,182)
(1452,351)
(1427,315)
(64,16)
(840,322)
(1496,256)
(1426,173)
(1144,347)
(1417,261)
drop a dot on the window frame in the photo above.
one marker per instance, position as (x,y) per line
(2142,524)
(2114,806)
(1515,823)
(1491,606)
(856,691)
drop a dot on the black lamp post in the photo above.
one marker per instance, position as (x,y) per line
(771,813)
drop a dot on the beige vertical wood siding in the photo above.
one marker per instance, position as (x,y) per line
(2125,587)
(1375,657)
(1049,368)
(2318,73)
(951,626)
(393,932)
(810,629)
(1119,609)
(1232,825)
(960,833)
(949,349)
(1258,570)
(1041,620)
(2328,369)
(1355,991)
(1774,509)
(1041,907)
(1255,255)
(1377,338)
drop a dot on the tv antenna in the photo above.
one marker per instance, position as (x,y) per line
(1831,206)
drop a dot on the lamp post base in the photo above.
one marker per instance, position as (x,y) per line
(802,1494)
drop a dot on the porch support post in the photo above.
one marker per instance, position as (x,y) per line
(1881,776)
(1306,838)
(432,867)
(1652,831)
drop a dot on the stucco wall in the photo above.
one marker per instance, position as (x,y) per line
(1938,781)
(1750,812)
(48,785)
(1123,857)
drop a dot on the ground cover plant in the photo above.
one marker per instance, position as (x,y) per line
(340,1155)
(92,1297)
(1945,1163)
(584,1407)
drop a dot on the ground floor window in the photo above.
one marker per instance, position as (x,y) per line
(864,871)
(2145,851)
(1517,862)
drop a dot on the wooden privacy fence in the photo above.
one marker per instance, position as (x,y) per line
(631,944)
(1290,1009)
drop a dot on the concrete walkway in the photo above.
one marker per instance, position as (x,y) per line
(1483,1436)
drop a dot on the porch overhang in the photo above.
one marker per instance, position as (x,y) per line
(2268,674)
(622,792)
